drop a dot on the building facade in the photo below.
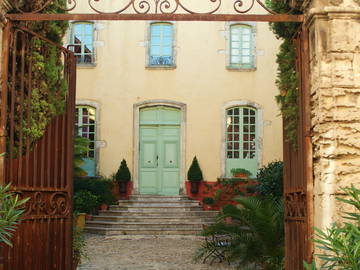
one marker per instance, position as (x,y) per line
(159,93)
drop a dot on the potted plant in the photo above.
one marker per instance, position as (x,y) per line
(195,176)
(123,176)
(240,173)
(208,203)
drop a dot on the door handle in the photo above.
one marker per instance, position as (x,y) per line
(157,161)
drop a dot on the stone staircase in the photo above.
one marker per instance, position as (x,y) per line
(152,215)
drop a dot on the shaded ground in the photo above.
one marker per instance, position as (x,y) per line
(144,253)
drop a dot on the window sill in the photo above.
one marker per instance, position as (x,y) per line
(159,67)
(232,68)
(85,66)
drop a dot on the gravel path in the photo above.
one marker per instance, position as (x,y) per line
(144,253)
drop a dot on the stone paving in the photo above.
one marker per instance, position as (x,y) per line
(144,253)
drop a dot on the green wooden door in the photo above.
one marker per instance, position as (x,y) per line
(159,159)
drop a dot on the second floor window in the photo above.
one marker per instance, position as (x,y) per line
(161,44)
(82,42)
(241,47)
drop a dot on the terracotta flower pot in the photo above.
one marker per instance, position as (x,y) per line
(123,187)
(80,220)
(194,189)
(104,207)
(240,175)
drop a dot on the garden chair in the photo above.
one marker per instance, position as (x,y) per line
(216,245)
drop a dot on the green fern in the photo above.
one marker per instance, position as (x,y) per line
(256,233)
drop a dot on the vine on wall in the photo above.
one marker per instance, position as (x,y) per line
(287,78)
(49,87)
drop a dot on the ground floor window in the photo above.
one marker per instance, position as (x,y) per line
(85,126)
(241,139)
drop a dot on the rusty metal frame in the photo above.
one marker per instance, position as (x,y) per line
(160,17)
(33,168)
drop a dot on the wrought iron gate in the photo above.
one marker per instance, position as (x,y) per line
(298,173)
(41,169)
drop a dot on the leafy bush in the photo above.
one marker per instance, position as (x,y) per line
(341,243)
(99,187)
(79,244)
(256,233)
(123,173)
(287,78)
(209,201)
(85,202)
(195,173)
(270,180)
(10,212)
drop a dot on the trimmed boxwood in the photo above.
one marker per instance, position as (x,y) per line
(270,180)
(99,187)
(195,173)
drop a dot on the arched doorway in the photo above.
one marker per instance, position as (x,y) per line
(159,150)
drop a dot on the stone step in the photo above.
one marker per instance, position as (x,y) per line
(152,215)
(149,198)
(146,225)
(110,231)
(152,219)
(125,213)
(126,203)
(173,208)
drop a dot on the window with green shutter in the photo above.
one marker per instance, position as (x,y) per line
(85,126)
(161,44)
(241,46)
(241,139)
(82,42)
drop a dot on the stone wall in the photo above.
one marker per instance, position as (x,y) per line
(335,91)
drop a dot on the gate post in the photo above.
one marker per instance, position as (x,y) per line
(335,108)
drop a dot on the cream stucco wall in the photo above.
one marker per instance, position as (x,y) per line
(120,79)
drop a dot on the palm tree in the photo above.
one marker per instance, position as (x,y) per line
(11,209)
(256,233)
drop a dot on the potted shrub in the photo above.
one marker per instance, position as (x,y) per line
(85,202)
(240,173)
(123,176)
(195,176)
(208,203)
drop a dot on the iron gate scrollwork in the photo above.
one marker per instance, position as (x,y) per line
(40,169)
(151,6)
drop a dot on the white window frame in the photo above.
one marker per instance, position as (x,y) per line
(96,106)
(253,27)
(260,126)
(148,47)
(94,35)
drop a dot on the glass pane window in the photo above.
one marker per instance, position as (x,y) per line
(85,126)
(241,133)
(82,42)
(241,43)
(161,44)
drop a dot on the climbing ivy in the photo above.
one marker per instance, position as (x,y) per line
(49,87)
(287,78)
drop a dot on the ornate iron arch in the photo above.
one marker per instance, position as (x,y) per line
(152,9)
(148,6)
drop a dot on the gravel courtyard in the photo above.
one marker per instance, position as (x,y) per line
(144,253)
